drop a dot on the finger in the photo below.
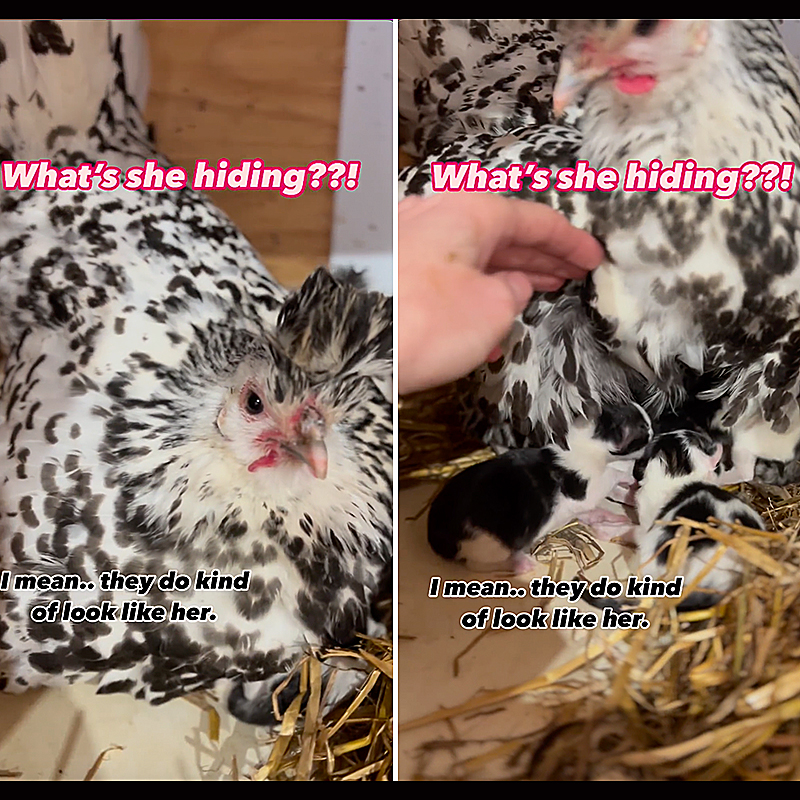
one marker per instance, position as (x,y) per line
(551,232)
(410,204)
(517,223)
(435,345)
(472,227)
(535,261)
(535,282)
(545,283)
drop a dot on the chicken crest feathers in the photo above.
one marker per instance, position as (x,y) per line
(330,327)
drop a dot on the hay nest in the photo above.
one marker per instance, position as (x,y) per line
(354,741)
(432,444)
(702,695)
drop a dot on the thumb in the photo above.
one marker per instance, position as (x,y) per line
(519,287)
(503,297)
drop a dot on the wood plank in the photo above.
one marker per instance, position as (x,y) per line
(266,89)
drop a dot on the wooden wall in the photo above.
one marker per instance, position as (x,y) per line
(264,89)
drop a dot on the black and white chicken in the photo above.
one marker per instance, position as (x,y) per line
(168,407)
(458,77)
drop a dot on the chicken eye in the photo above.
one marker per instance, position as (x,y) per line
(254,404)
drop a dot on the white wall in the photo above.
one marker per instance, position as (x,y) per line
(362,219)
(790,28)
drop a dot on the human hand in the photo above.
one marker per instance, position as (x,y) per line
(467,266)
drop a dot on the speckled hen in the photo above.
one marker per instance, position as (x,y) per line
(167,406)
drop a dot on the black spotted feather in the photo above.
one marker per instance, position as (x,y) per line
(136,326)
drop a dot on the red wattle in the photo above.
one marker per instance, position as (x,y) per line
(634,84)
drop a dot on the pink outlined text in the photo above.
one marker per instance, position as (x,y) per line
(249,175)
(681,176)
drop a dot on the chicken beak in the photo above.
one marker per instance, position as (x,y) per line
(313,453)
(575,74)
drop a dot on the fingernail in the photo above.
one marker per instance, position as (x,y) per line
(494,354)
